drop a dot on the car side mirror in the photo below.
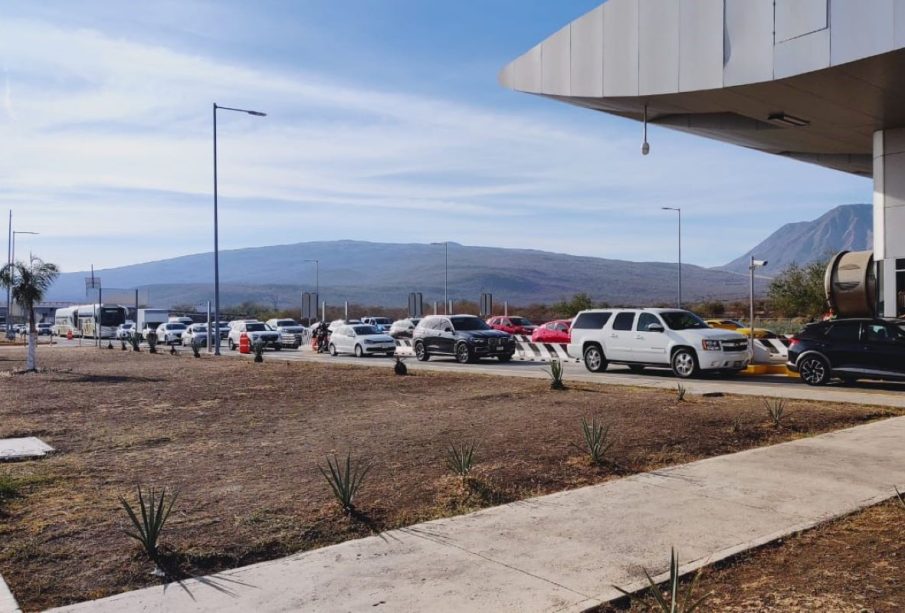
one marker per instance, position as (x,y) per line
(655,328)
(448,330)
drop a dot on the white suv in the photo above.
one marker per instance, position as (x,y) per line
(667,338)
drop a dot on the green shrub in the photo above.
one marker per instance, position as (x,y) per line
(345,481)
(258,348)
(9,489)
(672,601)
(776,409)
(596,440)
(460,459)
(555,371)
(154,513)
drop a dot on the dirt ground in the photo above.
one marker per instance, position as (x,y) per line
(242,444)
(853,565)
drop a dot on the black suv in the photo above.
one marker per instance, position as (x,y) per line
(466,337)
(849,349)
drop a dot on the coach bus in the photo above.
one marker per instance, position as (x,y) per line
(82,320)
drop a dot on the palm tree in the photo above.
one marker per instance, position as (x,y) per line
(27,284)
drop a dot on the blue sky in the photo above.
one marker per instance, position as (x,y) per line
(385,123)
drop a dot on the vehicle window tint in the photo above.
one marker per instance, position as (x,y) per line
(591,321)
(848,331)
(645,320)
(624,321)
(881,333)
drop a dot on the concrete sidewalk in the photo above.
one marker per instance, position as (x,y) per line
(564,552)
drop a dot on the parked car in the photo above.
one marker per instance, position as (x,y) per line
(403,328)
(224,329)
(291,332)
(256,330)
(849,349)
(342,322)
(557,331)
(170,333)
(187,321)
(666,338)
(381,323)
(512,325)
(466,337)
(361,340)
(124,331)
(195,333)
(44,328)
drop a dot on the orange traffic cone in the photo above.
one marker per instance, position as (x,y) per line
(244,343)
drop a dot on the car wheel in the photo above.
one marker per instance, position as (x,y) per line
(359,352)
(594,359)
(636,368)
(332,349)
(506,357)
(421,352)
(814,370)
(685,363)
(463,354)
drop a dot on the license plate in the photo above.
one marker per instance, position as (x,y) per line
(737,364)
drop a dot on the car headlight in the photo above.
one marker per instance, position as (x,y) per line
(710,345)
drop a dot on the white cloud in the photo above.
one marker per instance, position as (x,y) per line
(101,123)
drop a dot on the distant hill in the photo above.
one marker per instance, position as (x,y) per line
(849,227)
(382,274)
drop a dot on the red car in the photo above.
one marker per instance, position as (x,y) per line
(512,325)
(557,331)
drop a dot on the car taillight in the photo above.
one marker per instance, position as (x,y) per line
(793,341)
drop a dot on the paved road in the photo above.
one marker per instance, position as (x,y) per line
(870,393)
(564,552)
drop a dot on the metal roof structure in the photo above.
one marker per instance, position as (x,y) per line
(808,79)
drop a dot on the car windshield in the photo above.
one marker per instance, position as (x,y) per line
(175,326)
(199,327)
(381,320)
(683,320)
(286,322)
(127,326)
(255,327)
(469,323)
(520,321)
(362,330)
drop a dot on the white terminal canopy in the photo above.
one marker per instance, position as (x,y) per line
(813,80)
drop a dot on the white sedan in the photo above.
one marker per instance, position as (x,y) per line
(361,340)
(195,332)
(125,331)
(170,333)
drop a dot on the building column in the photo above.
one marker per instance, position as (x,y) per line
(889,220)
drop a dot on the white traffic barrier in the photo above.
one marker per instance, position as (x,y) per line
(770,351)
(404,347)
(542,352)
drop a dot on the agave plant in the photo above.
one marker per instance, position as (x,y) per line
(680,393)
(776,409)
(460,459)
(152,341)
(135,341)
(672,601)
(556,375)
(196,347)
(596,440)
(345,481)
(122,343)
(258,348)
(154,511)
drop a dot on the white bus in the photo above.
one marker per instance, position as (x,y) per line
(87,320)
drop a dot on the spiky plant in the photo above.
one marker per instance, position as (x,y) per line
(596,440)
(680,392)
(155,510)
(901,497)
(345,481)
(776,409)
(555,370)
(152,341)
(460,458)
(122,343)
(672,601)
(400,368)
(135,341)
(196,347)
(258,348)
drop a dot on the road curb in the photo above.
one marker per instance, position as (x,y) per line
(8,602)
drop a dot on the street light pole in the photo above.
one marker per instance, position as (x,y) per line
(754,265)
(446,280)
(679,211)
(317,284)
(216,227)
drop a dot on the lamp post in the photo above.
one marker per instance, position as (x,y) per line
(679,211)
(755,264)
(12,259)
(317,284)
(445,277)
(216,232)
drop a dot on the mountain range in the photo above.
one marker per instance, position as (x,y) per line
(382,274)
